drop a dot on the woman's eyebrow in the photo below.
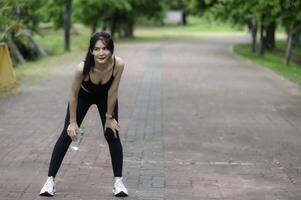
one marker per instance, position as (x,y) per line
(100,46)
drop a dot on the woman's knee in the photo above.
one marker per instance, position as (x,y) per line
(109,135)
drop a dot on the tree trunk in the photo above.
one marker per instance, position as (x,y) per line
(113,25)
(296,39)
(296,35)
(16,54)
(67,24)
(253,29)
(262,41)
(104,26)
(94,27)
(288,53)
(37,47)
(270,36)
(184,18)
(129,29)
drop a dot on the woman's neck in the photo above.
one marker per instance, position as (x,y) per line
(105,66)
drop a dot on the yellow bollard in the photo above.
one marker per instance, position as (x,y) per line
(7,73)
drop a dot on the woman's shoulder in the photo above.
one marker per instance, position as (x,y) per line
(119,63)
(79,70)
(80,67)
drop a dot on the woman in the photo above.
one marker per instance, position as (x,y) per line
(96,81)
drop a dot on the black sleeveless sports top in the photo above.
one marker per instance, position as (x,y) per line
(100,88)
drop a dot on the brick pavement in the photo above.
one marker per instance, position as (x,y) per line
(197,123)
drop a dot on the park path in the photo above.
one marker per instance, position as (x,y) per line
(197,123)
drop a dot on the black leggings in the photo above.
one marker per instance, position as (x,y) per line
(63,142)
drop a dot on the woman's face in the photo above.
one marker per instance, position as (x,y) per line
(101,53)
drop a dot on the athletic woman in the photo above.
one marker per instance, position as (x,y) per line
(96,81)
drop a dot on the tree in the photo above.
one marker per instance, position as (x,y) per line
(253,13)
(291,20)
(60,13)
(18,21)
(266,14)
(103,13)
(151,9)
(238,13)
(67,23)
(119,17)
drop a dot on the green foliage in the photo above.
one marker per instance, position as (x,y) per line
(291,14)
(115,15)
(91,12)
(199,7)
(177,4)
(53,42)
(19,15)
(5,21)
(153,9)
(54,12)
(240,12)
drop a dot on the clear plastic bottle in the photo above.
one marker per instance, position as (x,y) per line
(75,143)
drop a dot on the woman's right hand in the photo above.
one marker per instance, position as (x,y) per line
(72,130)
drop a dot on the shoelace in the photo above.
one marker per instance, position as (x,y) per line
(48,184)
(119,184)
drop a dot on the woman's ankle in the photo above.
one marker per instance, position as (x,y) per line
(117,177)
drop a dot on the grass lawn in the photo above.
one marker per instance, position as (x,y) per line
(196,27)
(53,43)
(53,40)
(273,61)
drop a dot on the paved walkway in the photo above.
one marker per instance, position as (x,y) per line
(198,123)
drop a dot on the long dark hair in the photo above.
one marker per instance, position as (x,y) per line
(108,42)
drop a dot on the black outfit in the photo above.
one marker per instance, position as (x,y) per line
(91,94)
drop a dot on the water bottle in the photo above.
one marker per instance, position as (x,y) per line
(75,143)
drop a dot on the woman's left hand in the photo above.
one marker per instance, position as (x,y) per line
(112,124)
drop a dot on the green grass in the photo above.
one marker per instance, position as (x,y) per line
(271,61)
(53,43)
(53,40)
(34,70)
(283,43)
(44,68)
(196,27)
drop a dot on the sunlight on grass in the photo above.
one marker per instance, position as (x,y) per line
(45,68)
(53,40)
(196,27)
(272,61)
(283,43)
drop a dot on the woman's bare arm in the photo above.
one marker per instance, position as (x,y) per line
(77,80)
(113,91)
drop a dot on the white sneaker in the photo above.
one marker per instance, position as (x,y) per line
(49,188)
(119,189)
